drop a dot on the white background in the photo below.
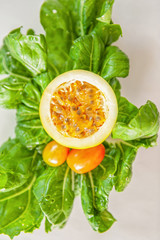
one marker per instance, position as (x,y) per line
(137,209)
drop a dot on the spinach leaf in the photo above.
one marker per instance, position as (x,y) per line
(43,80)
(116,64)
(104,27)
(31,133)
(116,86)
(106,11)
(94,198)
(109,33)
(114,32)
(109,164)
(87,52)
(145,142)
(29,129)
(2,70)
(123,153)
(13,67)
(48,226)
(71,6)
(126,110)
(25,113)
(19,211)
(124,170)
(57,23)
(141,123)
(54,191)
(3,177)
(15,164)
(29,50)
(95,190)
(77,183)
(19,58)
(30,32)
(86,15)
(11,90)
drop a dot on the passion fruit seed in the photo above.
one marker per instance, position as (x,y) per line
(71,109)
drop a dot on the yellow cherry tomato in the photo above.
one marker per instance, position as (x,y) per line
(55,154)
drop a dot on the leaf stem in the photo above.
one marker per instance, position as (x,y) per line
(21,192)
(28,202)
(92,186)
(72,181)
(64,183)
(81,19)
(14,74)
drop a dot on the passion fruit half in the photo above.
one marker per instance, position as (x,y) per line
(78,109)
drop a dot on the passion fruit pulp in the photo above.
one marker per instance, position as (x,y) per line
(78,109)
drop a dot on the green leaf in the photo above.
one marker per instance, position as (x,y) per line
(2,70)
(43,80)
(11,90)
(104,27)
(30,32)
(114,32)
(19,211)
(94,197)
(13,67)
(55,193)
(15,164)
(116,64)
(106,12)
(31,96)
(86,12)
(115,84)
(71,6)
(126,110)
(57,23)
(25,113)
(29,129)
(48,226)
(145,142)
(95,190)
(142,123)
(124,170)
(124,153)
(109,164)
(77,183)
(108,33)
(29,50)
(86,53)
(31,133)
(140,126)
(3,177)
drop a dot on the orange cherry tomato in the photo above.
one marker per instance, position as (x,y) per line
(55,154)
(85,160)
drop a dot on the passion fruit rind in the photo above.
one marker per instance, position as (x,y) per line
(78,109)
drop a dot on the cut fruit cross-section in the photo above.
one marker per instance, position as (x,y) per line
(78,109)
